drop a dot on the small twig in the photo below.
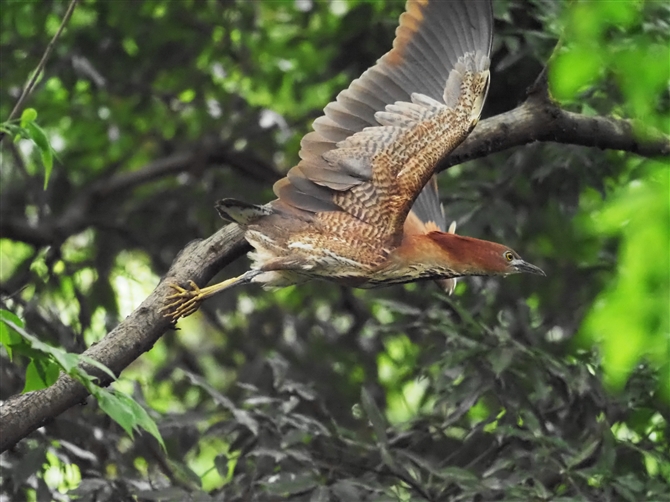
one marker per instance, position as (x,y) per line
(40,67)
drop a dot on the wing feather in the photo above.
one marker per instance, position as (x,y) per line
(384,105)
(428,207)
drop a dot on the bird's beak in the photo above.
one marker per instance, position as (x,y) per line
(524,266)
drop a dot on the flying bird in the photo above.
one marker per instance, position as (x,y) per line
(361,208)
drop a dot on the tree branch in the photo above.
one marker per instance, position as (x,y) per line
(537,119)
(200,260)
(79,214)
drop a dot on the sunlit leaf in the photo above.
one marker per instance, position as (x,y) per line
(38,135)
(12,318)
(28,115)
(632,312)
(9,336)
(573,71)
(40,374)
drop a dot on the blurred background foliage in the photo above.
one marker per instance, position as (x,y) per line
(525,388)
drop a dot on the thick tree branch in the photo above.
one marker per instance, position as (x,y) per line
(538,119)
(200,260)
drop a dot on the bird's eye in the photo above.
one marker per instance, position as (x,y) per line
(508,256)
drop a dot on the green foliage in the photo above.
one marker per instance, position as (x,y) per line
(126,412)
(157,109)
(614,39)
(46,363)
(633,313)
(28,129)
(619,40)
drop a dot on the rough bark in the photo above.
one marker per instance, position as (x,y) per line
(540,119)
(136,334)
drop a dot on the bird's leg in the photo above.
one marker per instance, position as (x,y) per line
(186,301)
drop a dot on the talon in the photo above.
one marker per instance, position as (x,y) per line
(183,302)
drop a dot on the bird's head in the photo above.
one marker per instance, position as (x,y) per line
(471,256)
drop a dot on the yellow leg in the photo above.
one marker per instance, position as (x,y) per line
(186,301)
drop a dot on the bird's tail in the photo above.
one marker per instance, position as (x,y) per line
(241,212)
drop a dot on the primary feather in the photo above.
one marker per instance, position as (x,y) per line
(433,35)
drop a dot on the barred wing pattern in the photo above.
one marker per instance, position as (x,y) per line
(377,145)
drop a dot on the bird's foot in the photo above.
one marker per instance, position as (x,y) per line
(183,302)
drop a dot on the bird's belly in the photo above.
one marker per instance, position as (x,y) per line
(300,257)
(382,278)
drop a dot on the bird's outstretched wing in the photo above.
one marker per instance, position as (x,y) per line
(378,144)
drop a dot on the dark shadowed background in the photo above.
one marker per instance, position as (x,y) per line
(523,388)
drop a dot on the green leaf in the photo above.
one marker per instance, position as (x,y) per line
(8,336)
(97,364)
(117,409)
(142,418)
(6,340)
(44,357)
(28,115)
(47,160)
(43,371)
(40,374)
(573,71)
(11,317)
(38,135)
(69,362)
(459,475)
(187,96)
(126,412)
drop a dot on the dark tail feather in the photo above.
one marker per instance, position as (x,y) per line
(240,212)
